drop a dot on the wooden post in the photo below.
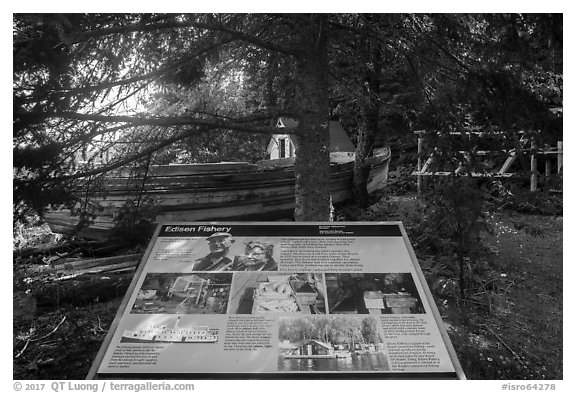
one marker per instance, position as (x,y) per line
(560,156)
(548,163)
(533,169)
(419,178)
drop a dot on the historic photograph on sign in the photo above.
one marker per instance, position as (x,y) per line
(218,252)
(372,293)
(255,255)
(217,259)
(170,330)
(259,293)
(331,343)
(176,293)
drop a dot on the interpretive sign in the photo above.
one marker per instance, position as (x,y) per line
(278,300)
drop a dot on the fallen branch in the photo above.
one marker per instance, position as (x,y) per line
(459,299)
(53,330)
(131,265)
(504,343)
(85,263)
(23,349)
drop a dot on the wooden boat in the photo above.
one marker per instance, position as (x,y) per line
(343,354)
(332,356)
(214,192)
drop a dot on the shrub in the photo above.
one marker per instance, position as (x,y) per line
(400,181)
(134,222)
(454,221)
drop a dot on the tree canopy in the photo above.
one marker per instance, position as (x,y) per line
(96,92)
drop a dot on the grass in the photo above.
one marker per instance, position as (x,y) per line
(522,333)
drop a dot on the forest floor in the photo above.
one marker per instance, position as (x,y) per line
(520,334)
(510,323)
(513,331)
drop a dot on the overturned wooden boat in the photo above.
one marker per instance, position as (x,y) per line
(232,191)
(222,191)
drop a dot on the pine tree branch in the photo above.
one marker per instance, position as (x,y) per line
(151,76)
(238,124)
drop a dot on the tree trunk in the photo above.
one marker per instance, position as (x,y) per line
(271,96)
(312,166)
(82,290)
(365,140)
(368,122)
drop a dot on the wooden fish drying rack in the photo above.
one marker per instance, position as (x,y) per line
(549,153)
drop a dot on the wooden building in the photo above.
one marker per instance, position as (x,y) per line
(315,348)
(282,146)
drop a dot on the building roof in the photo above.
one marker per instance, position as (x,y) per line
(286,122)
(339,140)
(321,343)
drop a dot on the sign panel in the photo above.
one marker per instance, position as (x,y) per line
(280,300)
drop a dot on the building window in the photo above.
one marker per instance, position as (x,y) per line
(282,148)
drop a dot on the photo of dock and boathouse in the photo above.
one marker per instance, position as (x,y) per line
(331,343)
